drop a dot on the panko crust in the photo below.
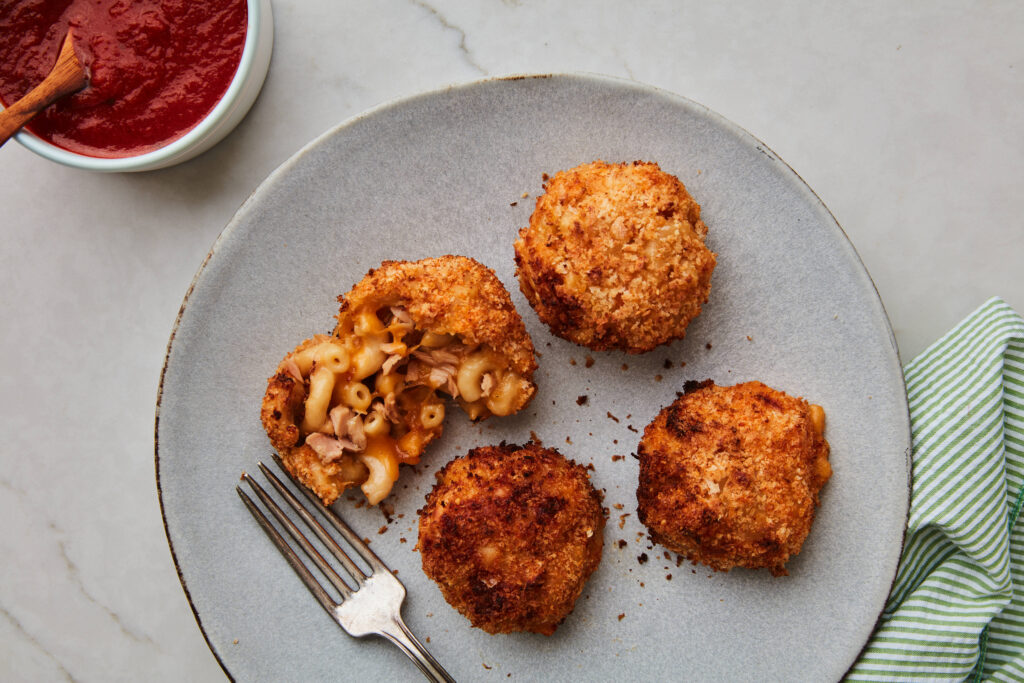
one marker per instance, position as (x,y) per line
(281,413)
(447,295)
(511,534)
(450,295)
(614,256)
(282,409)
(730,476)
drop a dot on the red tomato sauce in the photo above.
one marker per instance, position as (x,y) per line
(157,67)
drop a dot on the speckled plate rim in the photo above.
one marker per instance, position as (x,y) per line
(287,166)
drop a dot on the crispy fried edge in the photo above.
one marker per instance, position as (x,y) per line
(567,316)
(450,295)
(496,460)
(281,412)
(488,317)
(693,521)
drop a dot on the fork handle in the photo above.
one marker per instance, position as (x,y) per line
(408,643)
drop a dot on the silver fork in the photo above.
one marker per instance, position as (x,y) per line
(374,605)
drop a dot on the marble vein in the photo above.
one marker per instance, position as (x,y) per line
(9,485)
(447,25)
(617,53)
(35,642)
(75,575)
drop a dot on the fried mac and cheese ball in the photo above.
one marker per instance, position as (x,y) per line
(346,409)
(614,257)
(511,534)
(729,476)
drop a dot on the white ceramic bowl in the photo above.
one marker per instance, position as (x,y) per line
(230,110)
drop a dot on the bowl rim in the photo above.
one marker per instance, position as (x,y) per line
(166,154)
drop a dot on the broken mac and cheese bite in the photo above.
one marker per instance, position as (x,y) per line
(614,257)
(346,409)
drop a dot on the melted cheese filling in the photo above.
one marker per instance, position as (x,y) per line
(376,391)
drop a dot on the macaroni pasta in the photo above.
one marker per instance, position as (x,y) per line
(374,392)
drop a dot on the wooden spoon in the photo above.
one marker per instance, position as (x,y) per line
(67,76)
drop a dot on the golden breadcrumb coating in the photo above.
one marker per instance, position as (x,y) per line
(281,413)
(450,295)
(511,534)
(729,476)
(614,257)
(428,320)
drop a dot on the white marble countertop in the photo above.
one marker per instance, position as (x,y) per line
(905,118)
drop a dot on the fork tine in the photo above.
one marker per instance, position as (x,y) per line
(303,542)
(374,607)
(321,533)
(344,529)
(282,545)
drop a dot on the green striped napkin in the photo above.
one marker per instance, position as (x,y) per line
(956,610)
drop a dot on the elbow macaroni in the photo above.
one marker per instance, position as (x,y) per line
(368,359)
(382,463)
(367,323)
(391,383)
(412,445)
(376,424)
(321,385)
(817,415)
(432,415)
(502,400)
(433,340)
(356,396)
(471,373)
(334,357)
(349,370)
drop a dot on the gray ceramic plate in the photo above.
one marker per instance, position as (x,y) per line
(447,172)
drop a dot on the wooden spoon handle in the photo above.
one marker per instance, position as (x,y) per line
(67,76)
